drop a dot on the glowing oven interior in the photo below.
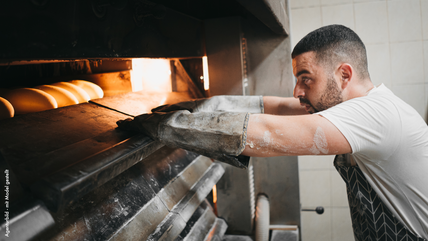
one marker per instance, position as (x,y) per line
(35,86)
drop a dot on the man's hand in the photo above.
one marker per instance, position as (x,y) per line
(218,135)
(125,124)
(145,123)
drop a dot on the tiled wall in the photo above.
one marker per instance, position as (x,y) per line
(396,36)
(321,185)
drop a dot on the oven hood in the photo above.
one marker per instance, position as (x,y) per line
(97,29)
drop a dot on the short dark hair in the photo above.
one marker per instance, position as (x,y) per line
(333,44)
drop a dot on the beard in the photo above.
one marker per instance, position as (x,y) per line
(331,97)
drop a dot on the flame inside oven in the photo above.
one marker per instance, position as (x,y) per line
(151,75)
(205,71)
(215,199)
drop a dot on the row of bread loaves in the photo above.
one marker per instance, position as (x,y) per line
(45,97)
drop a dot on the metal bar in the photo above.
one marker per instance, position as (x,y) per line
(118,111)
(217,231)
(62,188)
(171,227)
(202,226)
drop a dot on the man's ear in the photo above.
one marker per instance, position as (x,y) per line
(345,72)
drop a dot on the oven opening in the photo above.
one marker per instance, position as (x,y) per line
(38,85)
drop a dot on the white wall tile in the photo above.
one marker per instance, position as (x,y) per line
(359,1)
(379,63)
(424,11)
(404,20)
(315,162)
(371,22)
(304,21)
(414,95)
(339,14)
(304,3)
(426,103)
(316,227)
(339,196)
(342,225)
(407,63)
(426,60)
(315,188)
(334,2)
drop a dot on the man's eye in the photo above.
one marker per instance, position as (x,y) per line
(305,80)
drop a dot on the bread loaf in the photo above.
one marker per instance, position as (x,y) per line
(62,96)
(27,100)
(6,109)
(78,92)
(93,90)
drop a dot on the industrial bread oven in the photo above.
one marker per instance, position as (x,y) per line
(69,174)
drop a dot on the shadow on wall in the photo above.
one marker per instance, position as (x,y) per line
(269,62)
(426,115)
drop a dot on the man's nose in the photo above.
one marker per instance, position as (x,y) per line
(298,91)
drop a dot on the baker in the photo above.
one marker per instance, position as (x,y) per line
(380,142)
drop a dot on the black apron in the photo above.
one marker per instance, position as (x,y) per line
(371,219)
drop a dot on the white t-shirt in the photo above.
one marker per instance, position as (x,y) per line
(389,142)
